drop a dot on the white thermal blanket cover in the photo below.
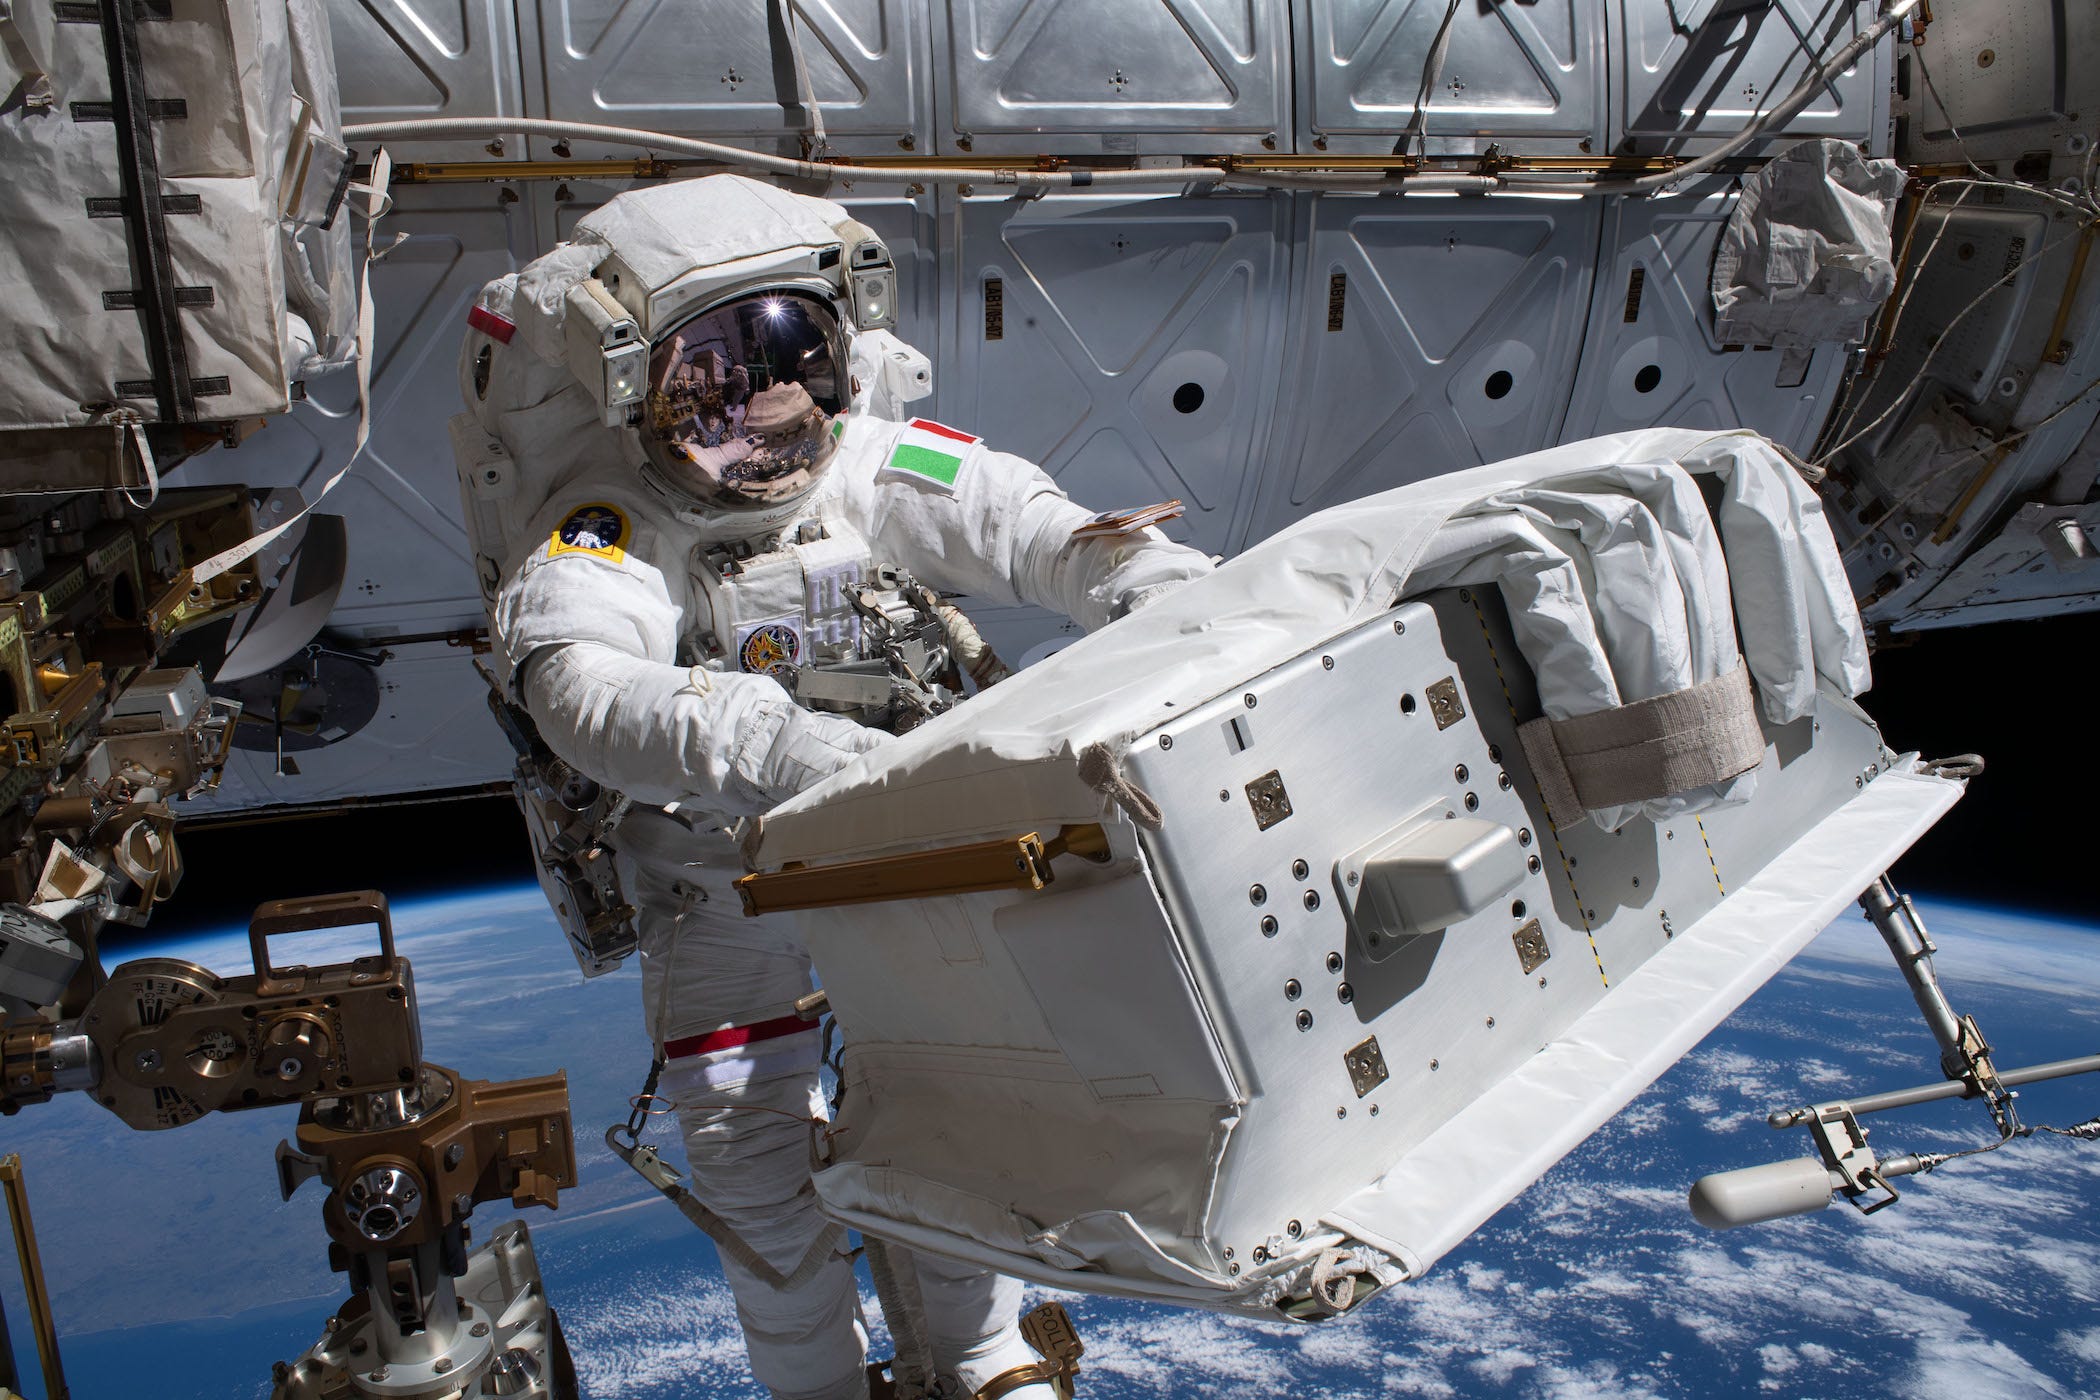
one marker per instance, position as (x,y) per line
(1618,586)
(257,147)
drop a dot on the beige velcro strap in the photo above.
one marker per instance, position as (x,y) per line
(1691,738)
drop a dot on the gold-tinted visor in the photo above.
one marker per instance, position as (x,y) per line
(742,399)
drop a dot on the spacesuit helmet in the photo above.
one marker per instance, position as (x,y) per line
(741,411)
(717,323)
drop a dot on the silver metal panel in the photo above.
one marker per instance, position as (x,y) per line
(727,70)
(1115,75)
(1530,76)
(430,732)
(408,569)
(1650,358)
(1136,349)
(408,572)
(2012,80)
(1452,1012)
(1460,321)
(407,59)
(1687,73)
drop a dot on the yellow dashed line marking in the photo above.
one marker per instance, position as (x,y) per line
(1711,862)
(1565,869)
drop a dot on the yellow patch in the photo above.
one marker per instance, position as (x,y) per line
(597,528)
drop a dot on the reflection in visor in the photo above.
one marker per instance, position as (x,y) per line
(741,399)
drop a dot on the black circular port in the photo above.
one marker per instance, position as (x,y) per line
(1646,378)
(1188,398)
(1407,704)
(1500,383)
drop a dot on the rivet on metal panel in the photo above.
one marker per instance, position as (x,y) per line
(1341,1112)
(1291,990)
(1257,894)
(1354,877)
(1636,882)
(1249,699)
(1299,869)
(1312,899)
(1444,703)
(1267,797)
(1305,1020)
(1294,1229)
(1491,1023)
(1432,1065)
(1472,802)
(1334,962)
(1374,1110)
(1461,772)
(1366,1065)
(1345,994)
(1268,926)
(1261,1254)
(1166,741)
(1532,949)
(1327,663)
(1399,627)
(1494,753)
(1523,836)
(1502,781)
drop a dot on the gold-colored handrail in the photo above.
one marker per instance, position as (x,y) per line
(1010,863)
(33,1286)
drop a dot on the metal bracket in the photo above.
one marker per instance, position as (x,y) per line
(1843,1144)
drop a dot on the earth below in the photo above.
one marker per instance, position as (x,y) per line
(170,1256)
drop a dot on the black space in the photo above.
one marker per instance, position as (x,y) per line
(403,851)
(2014,692)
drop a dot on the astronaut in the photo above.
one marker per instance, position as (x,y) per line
(662,593)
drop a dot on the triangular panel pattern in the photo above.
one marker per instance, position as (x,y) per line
(1154,53)
(1114,283)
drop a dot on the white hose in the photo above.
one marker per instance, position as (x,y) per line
(474,128)
(478,128)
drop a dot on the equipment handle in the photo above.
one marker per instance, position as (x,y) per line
(326,911)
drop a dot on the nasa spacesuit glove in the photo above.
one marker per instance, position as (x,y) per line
(807,747)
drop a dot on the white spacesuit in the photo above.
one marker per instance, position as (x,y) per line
(662,591)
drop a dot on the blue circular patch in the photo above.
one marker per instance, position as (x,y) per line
(771,649)
(594,527)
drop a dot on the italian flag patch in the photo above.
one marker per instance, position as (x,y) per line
(929,453)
